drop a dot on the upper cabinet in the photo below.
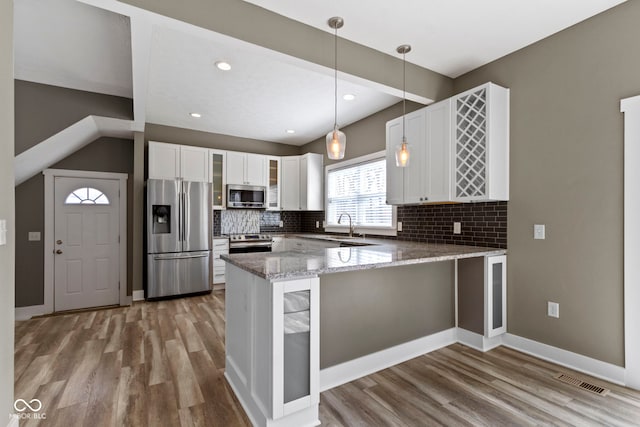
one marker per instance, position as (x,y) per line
(426,179)
(290,183)
(311,178)
(302,178)
(218,174)
(173,161)
(273,180)
(459,150)
(480,145)
(246,168)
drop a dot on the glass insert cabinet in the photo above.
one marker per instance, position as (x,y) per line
(217,162)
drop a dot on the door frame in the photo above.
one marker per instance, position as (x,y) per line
(631,109)
(49,227)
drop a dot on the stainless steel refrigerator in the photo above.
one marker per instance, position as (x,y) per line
(178,237)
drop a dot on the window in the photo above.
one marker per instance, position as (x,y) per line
(86,196)
(359,187)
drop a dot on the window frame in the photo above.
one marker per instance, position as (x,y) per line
(380,231)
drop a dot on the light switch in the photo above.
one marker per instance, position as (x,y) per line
(3,232)
(457,228)
(553,309)
(539,232)
(399,226)
(34,236)
(281,224)
(317,224)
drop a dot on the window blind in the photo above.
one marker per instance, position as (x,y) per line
(359,190)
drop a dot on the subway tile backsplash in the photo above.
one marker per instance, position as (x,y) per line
(483,224)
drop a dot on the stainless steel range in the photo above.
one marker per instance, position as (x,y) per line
(244,243)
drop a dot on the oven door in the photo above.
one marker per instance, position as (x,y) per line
(249,247)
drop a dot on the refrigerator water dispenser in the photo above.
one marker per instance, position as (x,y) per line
(161,219)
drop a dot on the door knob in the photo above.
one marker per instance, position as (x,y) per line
(58,242)
(59,251)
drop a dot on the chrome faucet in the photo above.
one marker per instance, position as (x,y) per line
(350,223)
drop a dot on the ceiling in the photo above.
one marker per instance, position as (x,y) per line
(450,37)
(167,66)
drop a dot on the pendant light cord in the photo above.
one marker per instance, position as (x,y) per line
(335,79)
(404,96)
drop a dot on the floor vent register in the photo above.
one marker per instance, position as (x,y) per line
(582,384)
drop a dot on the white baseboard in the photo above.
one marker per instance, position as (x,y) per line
(26,313)
(353,369)
(477,341)
(578,362)
(138,295)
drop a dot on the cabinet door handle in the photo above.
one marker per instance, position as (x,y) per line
(420,198)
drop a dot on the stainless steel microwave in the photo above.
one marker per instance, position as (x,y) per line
(246,196)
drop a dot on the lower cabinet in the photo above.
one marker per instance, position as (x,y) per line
(273,347)
(483,279)
(220,247)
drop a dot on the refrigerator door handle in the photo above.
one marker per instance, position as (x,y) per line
(185,222)
(169,257)
(184,217)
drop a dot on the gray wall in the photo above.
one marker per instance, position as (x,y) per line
(245,21)
(365,136)
(105,155)
(567,172)
(154,132)
(382,308)
(7,252)
(42,110)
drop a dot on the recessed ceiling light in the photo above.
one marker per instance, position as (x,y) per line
(349,97)
(291,131)
(224,66)
(195,115)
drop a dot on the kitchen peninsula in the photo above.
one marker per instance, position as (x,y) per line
(327,310)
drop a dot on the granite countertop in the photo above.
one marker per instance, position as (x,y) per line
(378,253)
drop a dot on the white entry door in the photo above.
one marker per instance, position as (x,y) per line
(86,242)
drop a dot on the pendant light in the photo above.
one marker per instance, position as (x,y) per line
(402,150)
(336,139)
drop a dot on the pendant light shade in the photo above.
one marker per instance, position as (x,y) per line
(336,139)
(403,153)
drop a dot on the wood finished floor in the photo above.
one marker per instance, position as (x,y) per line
(162,364)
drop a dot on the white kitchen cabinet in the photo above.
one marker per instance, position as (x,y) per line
(218,173)
(480,144)
(246,168)
(273,180)
(482,300)
(174,161)
(220,247)
(302,182)
(278,244)
(495,289)
(302,178)
(426,178)
(270,326)
(290,200)
(311,179)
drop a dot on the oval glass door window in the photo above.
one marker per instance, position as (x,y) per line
(86,196)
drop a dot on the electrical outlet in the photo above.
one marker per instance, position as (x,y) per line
(399,226)
(553,309)
(539,232)
(34,236)
(324,224)
(3,232)
(457,228)
(317,224)
(281,224)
